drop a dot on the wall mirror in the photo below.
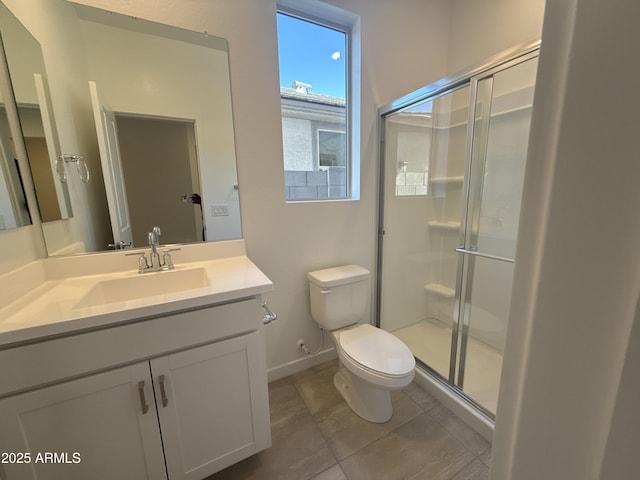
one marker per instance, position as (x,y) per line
(31,105)
(13,205)
(28,78)
(147,107)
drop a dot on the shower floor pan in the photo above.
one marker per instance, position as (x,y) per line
(430,342)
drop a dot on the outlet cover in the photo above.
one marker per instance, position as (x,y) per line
(219,210)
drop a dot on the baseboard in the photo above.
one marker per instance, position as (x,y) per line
(469,415)
(281,371)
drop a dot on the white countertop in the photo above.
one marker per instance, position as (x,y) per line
(50,308)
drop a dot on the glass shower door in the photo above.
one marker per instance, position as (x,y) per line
(423,205)
(502,117)
(453,169)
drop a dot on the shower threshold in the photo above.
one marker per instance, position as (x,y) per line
(430,342)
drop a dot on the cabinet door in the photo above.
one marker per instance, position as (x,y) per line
(213,405)
(98,418)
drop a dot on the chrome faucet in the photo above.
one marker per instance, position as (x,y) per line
(153,243)
(154,264)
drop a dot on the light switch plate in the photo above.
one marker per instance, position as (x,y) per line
(219,210)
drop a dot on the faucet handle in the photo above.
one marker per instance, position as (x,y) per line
(167,261)
(142,260)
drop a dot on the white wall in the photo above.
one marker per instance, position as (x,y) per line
(23,245)
(568,406)
(482,28)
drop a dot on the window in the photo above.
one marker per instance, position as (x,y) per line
(315,108)
(332,148)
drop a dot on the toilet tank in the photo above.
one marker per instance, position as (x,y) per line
(339,295)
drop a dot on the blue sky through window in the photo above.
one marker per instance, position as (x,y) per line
(312,54)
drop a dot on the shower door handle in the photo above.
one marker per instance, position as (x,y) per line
(484,255)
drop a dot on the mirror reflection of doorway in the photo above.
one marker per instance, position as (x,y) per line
(42,178)
(159,156)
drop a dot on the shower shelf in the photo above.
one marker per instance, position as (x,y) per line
(447,226)
(440,290)
(446,180)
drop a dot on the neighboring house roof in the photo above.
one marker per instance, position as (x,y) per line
(292,94)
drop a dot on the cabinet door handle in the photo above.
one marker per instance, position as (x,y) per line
(143,400)
(163,393)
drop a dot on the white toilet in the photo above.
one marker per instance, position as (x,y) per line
(373,362)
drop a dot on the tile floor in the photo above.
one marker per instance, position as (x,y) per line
(316,436)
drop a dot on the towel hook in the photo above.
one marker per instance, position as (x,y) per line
(81,167)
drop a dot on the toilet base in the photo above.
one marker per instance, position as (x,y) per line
(366,400)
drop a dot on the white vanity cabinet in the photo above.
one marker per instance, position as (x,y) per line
(211,413)
(94,421)
(183,395)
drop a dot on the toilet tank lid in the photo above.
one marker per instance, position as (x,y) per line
(331,277)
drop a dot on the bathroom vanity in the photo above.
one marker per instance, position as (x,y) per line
(98,381)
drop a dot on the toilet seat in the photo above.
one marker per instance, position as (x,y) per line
(376,351)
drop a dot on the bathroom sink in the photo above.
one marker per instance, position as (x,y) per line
(142,286)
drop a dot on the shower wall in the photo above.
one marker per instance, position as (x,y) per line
(408,262)
(422,225)
(428,216)
(417,187)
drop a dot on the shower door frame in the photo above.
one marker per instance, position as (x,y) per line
(461,317)
(470,232)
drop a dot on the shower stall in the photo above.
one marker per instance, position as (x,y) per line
(452,168)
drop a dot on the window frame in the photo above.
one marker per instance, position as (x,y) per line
(331,17)
(330,130)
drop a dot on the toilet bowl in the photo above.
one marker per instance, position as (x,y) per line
(372,362)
